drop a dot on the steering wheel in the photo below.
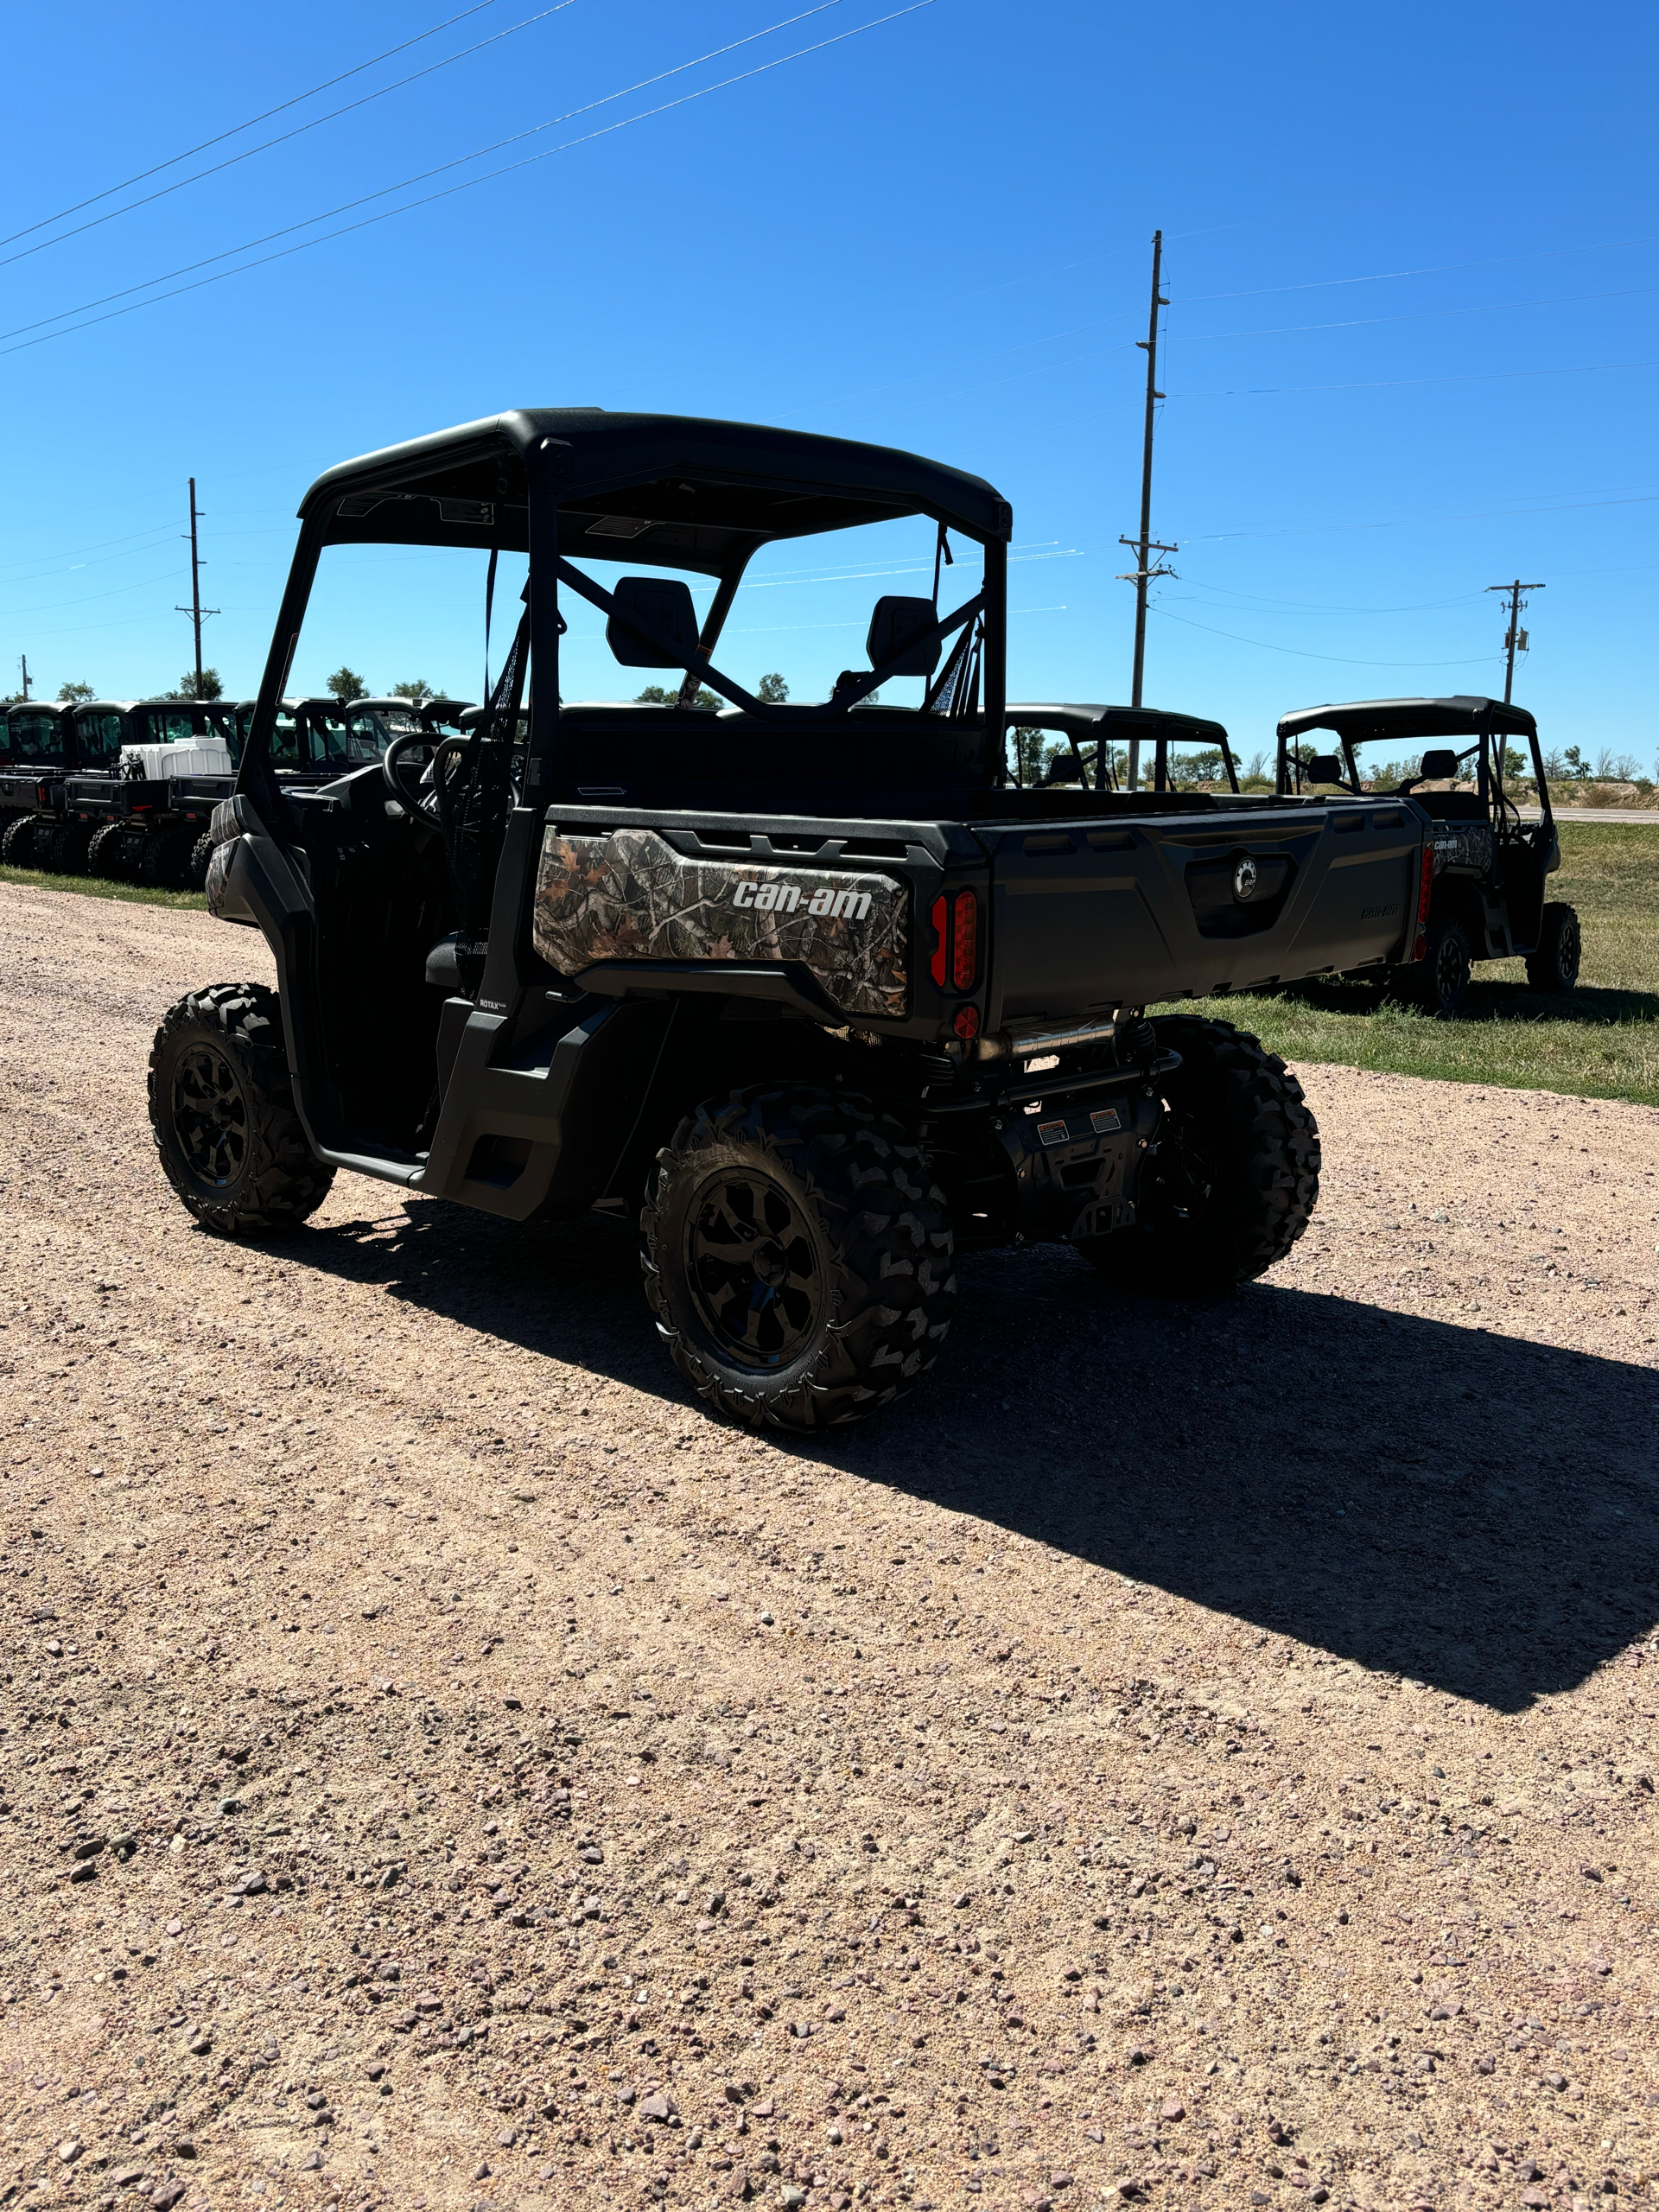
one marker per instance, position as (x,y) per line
(399,772)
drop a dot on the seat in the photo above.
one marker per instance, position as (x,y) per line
(664,604)
(894,624)
(442,966)
(1436,768)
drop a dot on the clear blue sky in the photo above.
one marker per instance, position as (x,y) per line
(1413,257)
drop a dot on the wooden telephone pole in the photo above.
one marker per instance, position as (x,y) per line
(1515,636)
(1144,546)
(197,610)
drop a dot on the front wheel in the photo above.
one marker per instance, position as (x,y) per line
(1230,1180)
(1553,965)
(221,1105)
(68,848)
(797,1256)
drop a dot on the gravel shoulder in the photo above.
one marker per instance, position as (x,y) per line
(1198,1756)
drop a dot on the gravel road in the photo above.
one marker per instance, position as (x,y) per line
(1200,1757)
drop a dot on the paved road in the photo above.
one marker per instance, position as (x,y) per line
(1170,1731)
(1593,814)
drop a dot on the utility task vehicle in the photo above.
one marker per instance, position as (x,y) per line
(804,990)
(1103,745)
(125,814)
(1487,868)
(38,737)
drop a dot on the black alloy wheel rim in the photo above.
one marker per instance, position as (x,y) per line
(1180,1177)
(210,1113)
(1568,954)
(1450,971)
(753,1270)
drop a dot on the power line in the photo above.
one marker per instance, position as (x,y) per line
(253,122)
(1418,314)
(298,131)
(1438,269)
(442,169)
(1298,652)
(1419,521)
(1308,607)
(53,606)
(1399,384)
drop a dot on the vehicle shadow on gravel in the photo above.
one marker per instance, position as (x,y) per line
(1474,1511)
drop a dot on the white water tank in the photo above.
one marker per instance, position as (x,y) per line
(186,756)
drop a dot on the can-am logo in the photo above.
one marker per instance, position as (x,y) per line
(786,899)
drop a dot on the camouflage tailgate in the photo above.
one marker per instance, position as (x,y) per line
(626,894)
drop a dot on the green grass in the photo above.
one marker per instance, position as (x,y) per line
(1599,1041)
(101,887)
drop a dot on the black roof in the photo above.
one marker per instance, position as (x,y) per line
(1122,724)
(42,706)
(670,491)
(131,706)
(1409,718)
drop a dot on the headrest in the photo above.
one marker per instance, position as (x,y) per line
(663,602)
(1439,766)
(894,624)
(1324,768)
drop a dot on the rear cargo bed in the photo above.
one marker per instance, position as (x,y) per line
(1086,914)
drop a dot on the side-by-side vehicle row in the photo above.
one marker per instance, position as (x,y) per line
(126,788)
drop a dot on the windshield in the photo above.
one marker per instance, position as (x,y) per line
(345,741)
(99,737)
(35,737)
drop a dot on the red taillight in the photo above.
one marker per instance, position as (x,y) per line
(936,966)
(964,941)
(966,1023)
(1419,949)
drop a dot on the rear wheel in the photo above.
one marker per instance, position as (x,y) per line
(104,853)
(221,1105)
(17,846)
(1440,982)
(1554,966)
(797,1257)
(1232,1178)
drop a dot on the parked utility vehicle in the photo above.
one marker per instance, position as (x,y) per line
(805,990)
(1103,745)
(1488,869)
(125,810)
(39,749)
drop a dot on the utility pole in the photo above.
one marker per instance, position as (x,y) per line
(1515,638)
(23,663)
(1145,546)
(197,610)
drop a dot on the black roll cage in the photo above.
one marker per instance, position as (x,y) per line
(1492,723)
(1104,727)
(548,483)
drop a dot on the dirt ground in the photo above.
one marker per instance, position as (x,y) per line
(1198,1757)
